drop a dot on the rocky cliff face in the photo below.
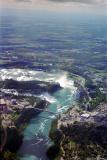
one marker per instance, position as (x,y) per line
(84,134)
(28,113)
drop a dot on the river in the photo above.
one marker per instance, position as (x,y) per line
(36,135)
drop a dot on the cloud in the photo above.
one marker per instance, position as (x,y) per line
(56,4)
(70,2)
(91,2)
(80,1)
(23,0)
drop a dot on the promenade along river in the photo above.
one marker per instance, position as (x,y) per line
(36,135)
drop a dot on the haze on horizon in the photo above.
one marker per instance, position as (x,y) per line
(56,5)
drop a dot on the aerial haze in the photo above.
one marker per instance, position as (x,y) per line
(56,5)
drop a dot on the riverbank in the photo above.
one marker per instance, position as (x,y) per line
(80,133)
(13,125)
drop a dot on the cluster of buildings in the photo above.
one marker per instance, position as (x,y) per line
(9,106)
(5,112)
(76,114)
(5,105)
(7,121)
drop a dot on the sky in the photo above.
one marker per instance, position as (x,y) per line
(56,5)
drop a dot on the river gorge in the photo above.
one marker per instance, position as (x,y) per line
(36,135)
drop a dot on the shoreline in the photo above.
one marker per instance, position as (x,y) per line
(19,125)
(86,110)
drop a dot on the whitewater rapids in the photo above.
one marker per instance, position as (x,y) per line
(30,75)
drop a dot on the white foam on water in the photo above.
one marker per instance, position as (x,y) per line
(29,157)
(42,126)
(39,140)
(9,91)
(52,117)
(48,97)
(61,109)
(27,75)
(64,81)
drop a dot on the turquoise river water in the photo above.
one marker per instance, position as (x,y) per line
(36,135)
